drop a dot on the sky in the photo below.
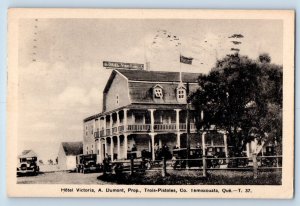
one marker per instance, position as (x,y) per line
(61,77)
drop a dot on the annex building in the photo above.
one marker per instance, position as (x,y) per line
(144,110)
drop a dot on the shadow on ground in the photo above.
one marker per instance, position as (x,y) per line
(195,178)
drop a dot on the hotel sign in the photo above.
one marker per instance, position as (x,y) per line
(122,65)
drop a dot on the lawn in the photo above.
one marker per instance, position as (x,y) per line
(192,177)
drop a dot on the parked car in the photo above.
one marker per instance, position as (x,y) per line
(87,163)
(28,166)
(180,156)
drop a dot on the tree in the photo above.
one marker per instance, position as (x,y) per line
(242,97)
(264,58)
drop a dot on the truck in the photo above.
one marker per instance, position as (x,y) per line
(87,163)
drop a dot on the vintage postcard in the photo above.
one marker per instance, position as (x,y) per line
(142,103)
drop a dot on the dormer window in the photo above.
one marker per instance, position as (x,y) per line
(158,92)
(181,93)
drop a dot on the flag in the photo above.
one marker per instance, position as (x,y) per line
(186,60)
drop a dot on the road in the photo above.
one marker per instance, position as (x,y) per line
(62,178)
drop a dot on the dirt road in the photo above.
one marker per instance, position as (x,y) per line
(61,178)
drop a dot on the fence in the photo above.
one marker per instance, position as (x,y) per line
(254,164)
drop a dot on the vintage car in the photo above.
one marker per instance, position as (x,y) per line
(214,155)
(28,166)
(181,158)
(87,163)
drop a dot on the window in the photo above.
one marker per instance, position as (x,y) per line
(157,91)
(117,99)
(181,93)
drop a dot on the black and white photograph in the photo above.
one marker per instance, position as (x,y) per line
(151,103)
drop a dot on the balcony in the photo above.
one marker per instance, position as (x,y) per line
(97,134)
(115,130)
(182,127)
(121,128)
(102,133)
(164,127)
(145,128)
(139,127)
(160,127)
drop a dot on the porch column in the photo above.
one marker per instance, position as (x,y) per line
(248,149)
(111,124)
(203,143)
(160,143)
(177,119)
(225,144)
(99,125)
(152,145)
(112,147)
(94,127)
(152,118)
(104,125)
(144,119)
(177,126)
(178,139)
(125,145)
(100,150)
(118,147)
(125,119)
(105,146)
(149,145)
(118,121)
(202,115)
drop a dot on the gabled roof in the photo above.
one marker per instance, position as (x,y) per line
(141,84)
(158,76)
(157,85)
(181,85)
(72,148)
(27,154)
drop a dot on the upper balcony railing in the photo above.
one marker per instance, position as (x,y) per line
(139,127)
(107,132)
(183,126)
(146,128)
(164,127)
(97,134)
(121,128)
(115,130)
(159,127)
(101,133)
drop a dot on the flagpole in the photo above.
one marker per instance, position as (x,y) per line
(180,75)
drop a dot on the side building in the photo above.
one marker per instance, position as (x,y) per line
(67,155)
(144,110)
